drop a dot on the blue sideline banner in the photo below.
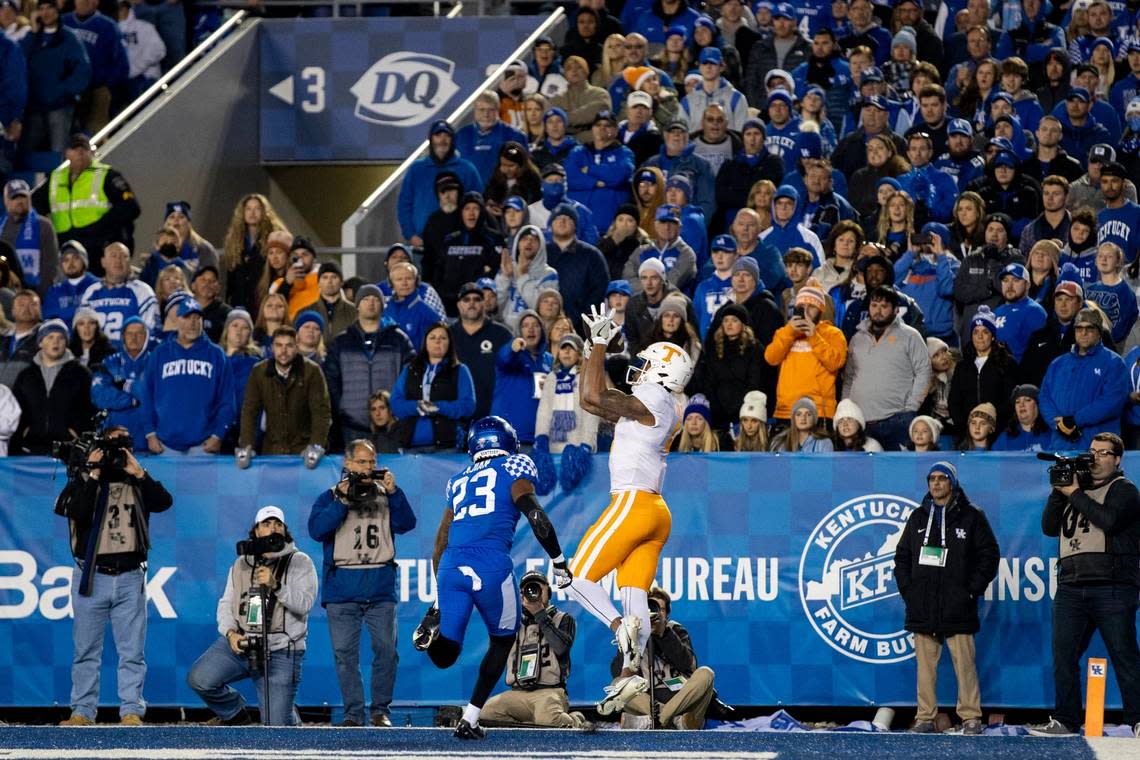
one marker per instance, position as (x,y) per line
(780,567)
(365,89)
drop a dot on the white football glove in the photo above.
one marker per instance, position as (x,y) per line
(600,324)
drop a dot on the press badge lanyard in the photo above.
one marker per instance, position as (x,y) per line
(934,556)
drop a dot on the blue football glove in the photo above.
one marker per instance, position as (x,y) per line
(544,463)
(576,465)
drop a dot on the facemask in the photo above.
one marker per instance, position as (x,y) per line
(168,250)
(553,193)
(1134,123)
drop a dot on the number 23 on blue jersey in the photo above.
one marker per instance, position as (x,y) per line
(481,499)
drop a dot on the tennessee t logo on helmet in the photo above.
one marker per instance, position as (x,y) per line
(663,363)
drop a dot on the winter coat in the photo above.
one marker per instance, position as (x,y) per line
(412,315)
(58,69)
(725,95)
(994,384)
(63,298)
(581,104)
(931,285)
(1017,322)
(49,416)
(698,169)
(187,394)
(358,365)
(1091,388)
(1043,347)
(645,142)
(114,387)
(13,81)
(763,58)
(418,199)
(944,600)
(617,254)
(727,378)
(977,281)
(679,258)
(612,166)
(736,178)
(807,366)
(519,292)
(452,390)
(516,387)
(1021,201)
(465,256)
(1077,141)
(582,276)
(639,320)
(482,148)
(1117,517)
(341,585)
(851,154)
(296,409)
(888,375)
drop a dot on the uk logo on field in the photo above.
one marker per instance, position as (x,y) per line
(404,89)
(847,584)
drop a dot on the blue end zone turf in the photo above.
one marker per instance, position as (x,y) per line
(362,744)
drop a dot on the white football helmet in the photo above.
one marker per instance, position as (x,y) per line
(666,364)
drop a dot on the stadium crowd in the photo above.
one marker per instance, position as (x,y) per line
(871,227)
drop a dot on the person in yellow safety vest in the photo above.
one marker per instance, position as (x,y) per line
(89,202)
(300,283)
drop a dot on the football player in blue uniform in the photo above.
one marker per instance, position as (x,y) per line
(472,558)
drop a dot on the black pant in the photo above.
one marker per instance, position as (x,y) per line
(1078,611)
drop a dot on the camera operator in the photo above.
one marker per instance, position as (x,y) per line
(538,664)
(357,521)
(270,566)
(683,690)
(108,505)
(1095,517)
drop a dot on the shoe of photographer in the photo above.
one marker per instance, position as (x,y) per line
(241,718)
(972,727)
(346,723)
(620,692)
(381,720)
(131,719)
(1053,728)
(468,732)
(923,727)
(77,720)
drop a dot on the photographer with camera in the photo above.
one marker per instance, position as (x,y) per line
(357,521)
(683,691)
(1094,511)
(538,664)
(108,501)
(270,580)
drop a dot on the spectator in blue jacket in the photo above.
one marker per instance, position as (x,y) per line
(1080,130)
(365,358)
(13,98)
(582,270)
(786,230)
(927,273)
(1127,88)
(1131,423)
(63,298)
(480,141)
(435,394)
(1026,430)
(187,390)
(1112,293)
(358,583)
(694,225)
(598,173)
(1019,316)
(418,200)
(715,290)
(1084,390)
(406,307)
(58,72)
(933,190)
(116,382)
(518,368)
(101,37)
(663,14)
(677,156)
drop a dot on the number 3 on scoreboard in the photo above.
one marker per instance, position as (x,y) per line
(484,502)
(314,79)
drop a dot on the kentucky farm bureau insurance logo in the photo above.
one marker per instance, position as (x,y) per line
(404,89)
(847,583)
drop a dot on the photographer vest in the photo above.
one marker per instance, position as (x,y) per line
(1078,534)
(532,664)
(246,599)
(364,539)
(119,533)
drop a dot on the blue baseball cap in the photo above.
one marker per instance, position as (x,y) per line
(724,243)
(515,202)
(872,74)
(1017,270)
(189,306)
(784,10)
(667,212)
(486,283)
(711,55)
(555,111)
(876,101)
(441,125)
(1080,93)
(959,127)
(705,21)
(619,286)
(645,176)
(1005,158)
(678,31)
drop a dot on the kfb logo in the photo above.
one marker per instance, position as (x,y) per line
(404,89)
(847,584)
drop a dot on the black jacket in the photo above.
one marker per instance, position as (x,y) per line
(1021,201)
(1117,517)
(995,384)
(1043,347)
(944,600)
(48,417)
(735,180)
(727,378)
(79,500)
(1063,165)
(851,154)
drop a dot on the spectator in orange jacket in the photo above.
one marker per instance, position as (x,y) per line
(809,351)
(300,283)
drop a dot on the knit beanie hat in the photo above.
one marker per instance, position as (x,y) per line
(309,316)
(934,345)
(934,425)
(905,36)
(84,312)
(1070,282)
(985,409)
(368,290)
(755,406)
(50,326)
(1025,390)
(945,468)
(74,246)
(984,318)
(635,76)
(805,402)
(698,404)
(675,303)
(812,294)
(733,309)
(234,315)
(848,409)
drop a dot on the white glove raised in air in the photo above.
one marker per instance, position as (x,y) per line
(600,324)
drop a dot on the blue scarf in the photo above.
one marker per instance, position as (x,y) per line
(28,248)
(429,375)
(564,418)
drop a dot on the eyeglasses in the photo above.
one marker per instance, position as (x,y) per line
(364,462)
(1102,453)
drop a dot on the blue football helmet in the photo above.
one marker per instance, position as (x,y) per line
(491,437)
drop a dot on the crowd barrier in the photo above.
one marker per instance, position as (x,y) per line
(781,568)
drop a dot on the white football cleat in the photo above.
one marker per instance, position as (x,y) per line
(627,640)
(620,692)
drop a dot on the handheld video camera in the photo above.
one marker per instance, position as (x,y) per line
(74,453)
(654,611)
(364,486)
(260,546)
(1065,469)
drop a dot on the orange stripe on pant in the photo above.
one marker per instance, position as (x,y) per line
(629,535)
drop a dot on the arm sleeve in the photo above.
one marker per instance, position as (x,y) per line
(224,614)
(401,518)
(320,409)
(559,637)
(224,398)
(1112,394)
(251,408)
(326,516)
(920,360)
(830,348)
(298,589)
(986,556)
(401,406)
(1053,512)
(155,496)
(1120,508)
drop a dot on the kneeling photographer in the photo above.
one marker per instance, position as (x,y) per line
(108,501)
(682,690)
(1094,511)
(270,580)
(538,664)
(357,521)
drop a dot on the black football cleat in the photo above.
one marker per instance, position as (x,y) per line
(468,732)
(428,630)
